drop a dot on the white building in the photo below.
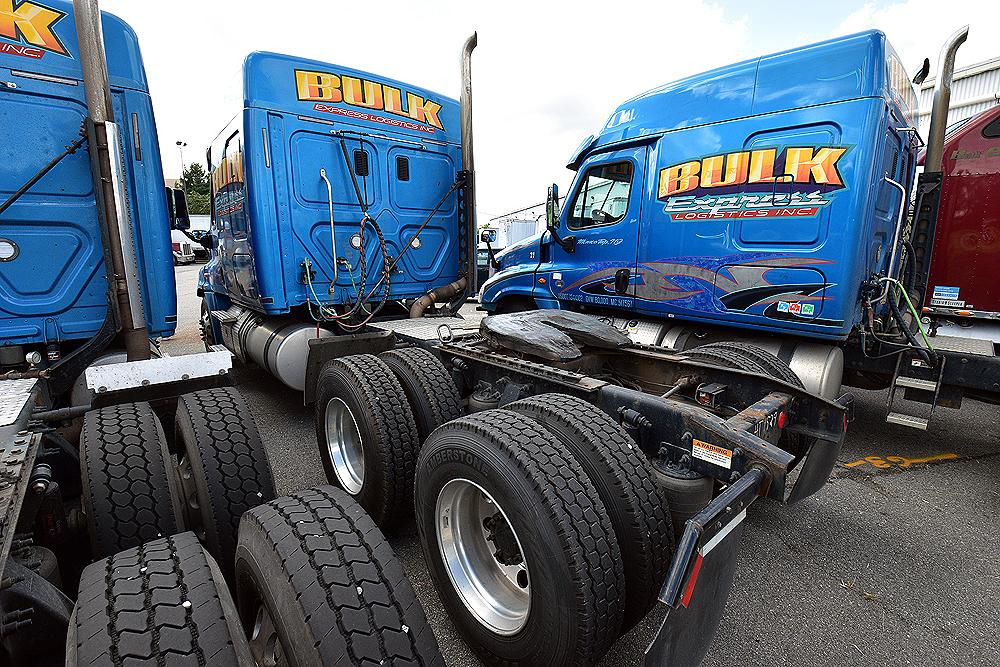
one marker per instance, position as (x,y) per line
(974,89)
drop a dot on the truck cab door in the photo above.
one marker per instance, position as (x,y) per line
(232,223)
(599,223)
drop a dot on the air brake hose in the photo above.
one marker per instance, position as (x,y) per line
(897,315)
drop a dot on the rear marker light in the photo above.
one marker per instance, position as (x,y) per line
(689,590)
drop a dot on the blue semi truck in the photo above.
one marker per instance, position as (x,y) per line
(562,477)
(138,523)
(766,202)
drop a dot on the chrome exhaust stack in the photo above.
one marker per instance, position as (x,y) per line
(469,164)
(929,184)
(942,100)
(109,182)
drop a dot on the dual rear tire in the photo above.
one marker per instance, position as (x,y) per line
(542,528)
(135,490)
(316,585)
(518,543)
(372,414)
(541,524)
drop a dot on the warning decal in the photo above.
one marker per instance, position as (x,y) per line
(705,451)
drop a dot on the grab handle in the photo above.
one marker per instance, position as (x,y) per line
(333,224)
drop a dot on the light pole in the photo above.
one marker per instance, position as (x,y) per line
(180,147)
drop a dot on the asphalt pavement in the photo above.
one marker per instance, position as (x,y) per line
(895,562)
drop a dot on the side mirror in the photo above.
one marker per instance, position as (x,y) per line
(488,236)
(552,207)
(925,69)
(177,209)
(552,220)
(182,219)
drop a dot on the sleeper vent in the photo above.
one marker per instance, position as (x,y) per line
(360,162)
(402,168)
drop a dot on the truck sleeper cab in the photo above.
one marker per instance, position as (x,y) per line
(320,160)
(736,197)
(767,203)
(53,286)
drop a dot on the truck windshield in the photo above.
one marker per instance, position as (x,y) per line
(603,196)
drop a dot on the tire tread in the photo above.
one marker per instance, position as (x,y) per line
(237,472)
(159,603)
(338,563)
(427,385)
(641,510)
(128,496)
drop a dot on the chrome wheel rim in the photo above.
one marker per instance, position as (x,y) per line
(265,645)
(344,445)
(483,557)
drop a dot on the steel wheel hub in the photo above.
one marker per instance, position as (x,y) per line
(483,557)
(189,493)
(264,642)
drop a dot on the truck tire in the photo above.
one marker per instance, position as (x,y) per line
(367,436)
(518,542)
(771,364)
(164,602)
(130,493)
(624,479)
(317,585)
(223,467)
(748,357)
(725,357)
(428,386)
(205,326)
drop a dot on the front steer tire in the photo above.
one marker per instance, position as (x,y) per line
(639,510)
(224,471)
(130,493)
(161,603)
(314,570)
(574,578)
(753,359)
(760,357)
(369,400)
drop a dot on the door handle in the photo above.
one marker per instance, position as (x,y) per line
(622,279)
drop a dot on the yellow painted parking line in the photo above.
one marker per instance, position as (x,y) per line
(900,462)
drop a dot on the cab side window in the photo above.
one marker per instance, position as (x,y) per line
(234,214)
(992,131)
(603,196)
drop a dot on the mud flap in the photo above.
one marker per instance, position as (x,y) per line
(698,584)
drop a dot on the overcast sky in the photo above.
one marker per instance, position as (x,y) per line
(545,75)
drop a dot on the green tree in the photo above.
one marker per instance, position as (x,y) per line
(199,204)
(196,184)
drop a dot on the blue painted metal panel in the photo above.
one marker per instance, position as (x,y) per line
(296,114)
(55,289)
(764,197)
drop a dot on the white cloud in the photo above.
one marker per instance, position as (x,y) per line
(545,74)
(918,28)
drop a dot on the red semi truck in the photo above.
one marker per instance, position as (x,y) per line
(963,294)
